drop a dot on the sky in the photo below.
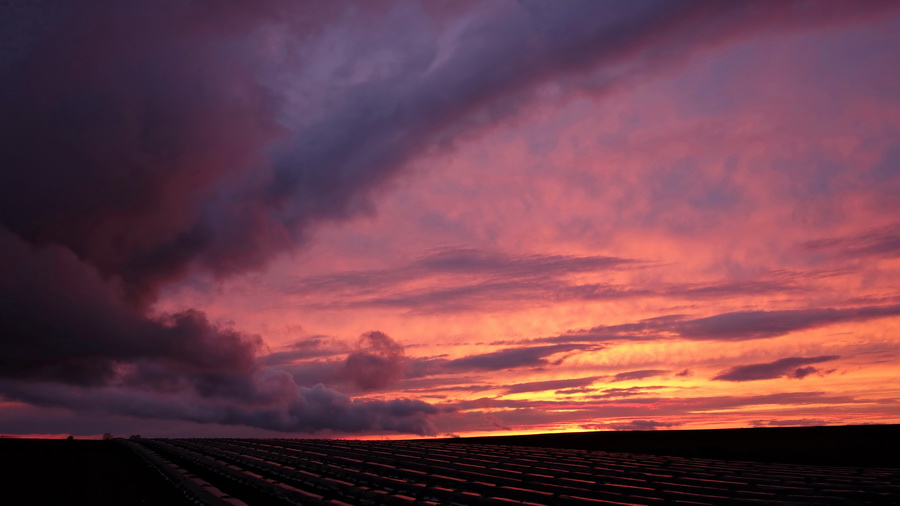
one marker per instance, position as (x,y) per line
(402,219)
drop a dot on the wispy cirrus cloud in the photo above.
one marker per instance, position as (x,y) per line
(790,367)
(732,326)
(791,422)
(613,393)
(638,375)
(741,325)
(467,279)
(881,242)
(526,356)
(632,425)
(540,386)
(526,411)
(305,349)
(457,280)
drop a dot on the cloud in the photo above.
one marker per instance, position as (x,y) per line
(534,356)
(786,367)
(62,322)
(880,242)
(268,400)
(609,393)
(378,361)
(70,340)
(540,386)
(463,279)
(732,326)
(574,391)
(527,413)
(150,142)
(490,279)
(742,325)
(794,422)
(638,375)
(642,425)
(303,350)
(726,289)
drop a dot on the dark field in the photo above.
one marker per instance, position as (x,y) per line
(851,445)
(52,471)
(840,465)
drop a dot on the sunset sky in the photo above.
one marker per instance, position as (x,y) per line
(371,219)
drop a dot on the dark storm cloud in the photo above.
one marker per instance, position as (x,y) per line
(62,322)
(791,367)
(143,142)
(270,401)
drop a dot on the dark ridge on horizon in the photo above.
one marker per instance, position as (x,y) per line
(842,445)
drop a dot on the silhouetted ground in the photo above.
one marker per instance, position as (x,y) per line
(109,473)
(100,473)
(317,472)
(850,445)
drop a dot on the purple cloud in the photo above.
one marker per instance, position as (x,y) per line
(268,400)
(795,422)
(643,425)
(762,324)
(638,375)
(378,361)
(510,358)
(786,367)
(304,350)
(491,278)
(574,391)
(524,412)
(540,386)
(610,393)
(734,326)
(881,242)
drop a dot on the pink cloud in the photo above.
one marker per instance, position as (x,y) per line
(646,172)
